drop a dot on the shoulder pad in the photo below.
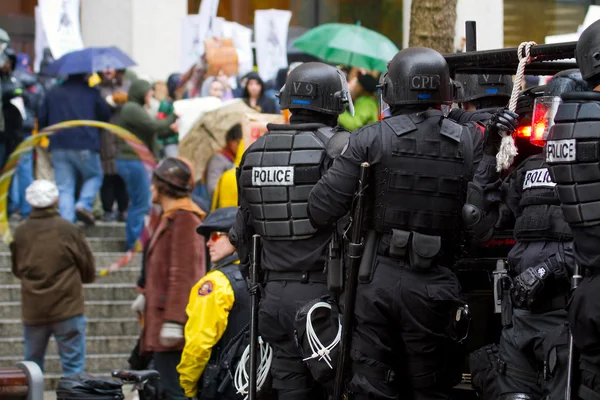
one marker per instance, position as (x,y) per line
(451,130)
(334,140)
(337,143)
(401,124)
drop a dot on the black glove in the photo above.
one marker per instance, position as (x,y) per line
(503,120)
(528,285)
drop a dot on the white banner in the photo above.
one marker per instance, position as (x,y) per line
(242,40)
(190,41)
(61,24)
(41,41)
(270,36)
(207,14)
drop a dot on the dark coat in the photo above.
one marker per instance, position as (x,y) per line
(175,261)
(52,258)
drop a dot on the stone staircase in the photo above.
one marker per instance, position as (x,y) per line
(112,329)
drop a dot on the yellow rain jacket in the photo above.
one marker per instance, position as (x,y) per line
(208,312)
(226,194)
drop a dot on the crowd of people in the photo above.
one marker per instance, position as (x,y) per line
(432,183)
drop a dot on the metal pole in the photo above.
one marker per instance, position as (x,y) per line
(502,57)
(575,279)
(535,68)
(254,346)
(471,35)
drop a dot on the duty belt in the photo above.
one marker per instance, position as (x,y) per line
(587,272)
(546,305)
(296,276)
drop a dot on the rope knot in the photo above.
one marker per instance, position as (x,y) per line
(508,150)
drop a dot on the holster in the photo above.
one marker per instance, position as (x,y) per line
(335,267)
(507,307)
(367,263)
(210,382)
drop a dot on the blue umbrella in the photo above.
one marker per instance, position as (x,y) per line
(92,59)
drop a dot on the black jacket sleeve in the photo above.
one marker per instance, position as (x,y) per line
(243,230)
(331,198)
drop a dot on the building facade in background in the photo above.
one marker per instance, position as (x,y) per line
(144,28)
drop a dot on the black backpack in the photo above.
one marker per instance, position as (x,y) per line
(85,386)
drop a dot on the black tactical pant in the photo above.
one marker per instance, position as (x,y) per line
(280,300)
(584,319)
(534,354)
(403,346)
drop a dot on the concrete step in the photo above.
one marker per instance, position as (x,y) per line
(92,291)
(13,328)
(95,345)
(93,362)
(127,274)
(101,229)
(102,244)
(93,309)
(105,229)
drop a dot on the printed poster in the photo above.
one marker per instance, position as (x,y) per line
(271,36)
(60,20)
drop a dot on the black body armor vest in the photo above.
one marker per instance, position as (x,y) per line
(420,185)
(278,174)
(572,153)
(217,382)
(541,218)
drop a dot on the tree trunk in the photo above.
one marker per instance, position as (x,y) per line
(432,24)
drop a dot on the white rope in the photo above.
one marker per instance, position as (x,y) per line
(241,379)
(508,150)
(318,349)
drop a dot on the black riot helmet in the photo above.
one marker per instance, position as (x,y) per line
(318,87)
(473,87)
(417,75)
(587,53)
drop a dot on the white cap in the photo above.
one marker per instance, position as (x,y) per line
(41,193)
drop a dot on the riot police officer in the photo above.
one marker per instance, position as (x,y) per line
(533,345)
(571,153)
(275,177)
(479,96)
(405,343)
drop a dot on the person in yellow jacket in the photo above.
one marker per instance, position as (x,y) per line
(226,194)
(218,316)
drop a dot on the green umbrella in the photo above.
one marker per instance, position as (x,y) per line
(346,44)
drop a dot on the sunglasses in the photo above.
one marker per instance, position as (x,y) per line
(214,236)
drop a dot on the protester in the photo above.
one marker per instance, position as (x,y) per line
(33,93)
(217,86)
(138,121)
(226,193)
(218,309)
(366,110)
(75,151)
(255,98)
(170,143)
(113,89)
(52,259)
(174,261)
(238,92)
(223,160)
(11,91)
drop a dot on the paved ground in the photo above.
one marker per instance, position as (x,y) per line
(126,391)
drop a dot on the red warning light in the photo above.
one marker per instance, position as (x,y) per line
(544,110)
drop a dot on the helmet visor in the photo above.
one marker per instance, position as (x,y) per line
(346,97)
(544,110)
